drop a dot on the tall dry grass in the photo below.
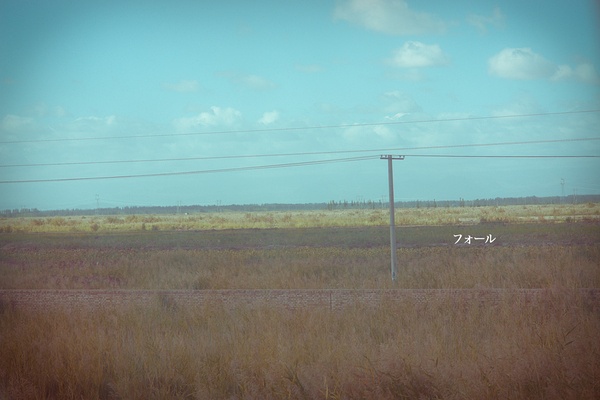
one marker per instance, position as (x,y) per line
(301,268)
(436,350)
(393,351)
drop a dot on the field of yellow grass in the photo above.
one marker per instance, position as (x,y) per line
(306,219)
(390,352)
(547,350)
(442,267)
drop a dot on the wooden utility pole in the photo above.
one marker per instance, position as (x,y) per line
(394,257)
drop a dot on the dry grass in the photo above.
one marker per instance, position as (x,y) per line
(301,268)
(304,219)
(548,350)
(394,351)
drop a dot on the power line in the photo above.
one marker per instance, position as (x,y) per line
(160,174)
(299,153)
(500,156)
(271,130)
(284,165)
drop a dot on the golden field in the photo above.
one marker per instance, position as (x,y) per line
(442,267)
(306,219)
(547,350)
(392,352)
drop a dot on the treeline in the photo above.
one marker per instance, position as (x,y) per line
(331,205)
(503,201)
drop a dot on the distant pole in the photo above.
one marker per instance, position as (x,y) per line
(394,257)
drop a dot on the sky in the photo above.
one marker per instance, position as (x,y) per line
(240,102)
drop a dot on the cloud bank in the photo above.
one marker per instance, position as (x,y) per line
(217,116)
(416,55)
(481,22)
(248,81)
(524,64)
(392,17)
(268,118)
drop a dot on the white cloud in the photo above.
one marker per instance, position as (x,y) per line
(182,86)
(217,116)
(257,82)
(60,111)
(249,81)
(13,123)
(388,16)
(583,73)
(523,64)
(110,120)
(399,105)
(562,72)
(384,132)
(269,117)
(520,63)
(481,22)
(43,110)
(395,117)
(368,135)
(524,104)
(46,124)
(587,73)
(416,55)
(91,124)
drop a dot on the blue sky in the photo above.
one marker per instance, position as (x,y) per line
(172,80)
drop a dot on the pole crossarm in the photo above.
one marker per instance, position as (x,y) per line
(391,157)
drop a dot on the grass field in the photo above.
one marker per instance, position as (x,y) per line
(391,352)
(432,350)
(572,266)
(306,219)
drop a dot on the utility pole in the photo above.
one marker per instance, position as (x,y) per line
(394,256)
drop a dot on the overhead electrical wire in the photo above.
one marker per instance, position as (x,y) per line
(284,165)
(295,164)
(315,153)
(221,170)
(500,156)
(297,128)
